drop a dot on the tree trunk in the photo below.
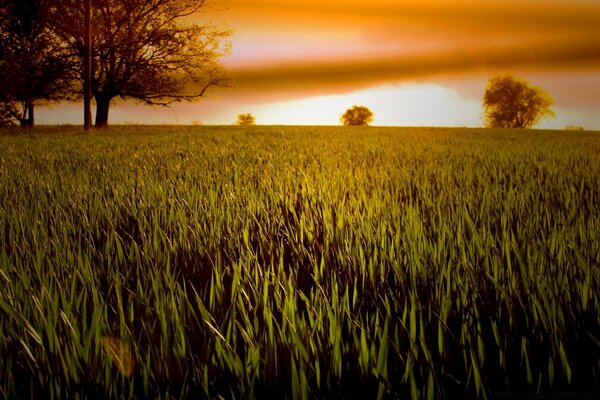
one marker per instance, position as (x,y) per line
(27,118)
(87,67)
(102,106)
(30,118)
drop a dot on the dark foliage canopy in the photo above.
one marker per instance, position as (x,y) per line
(34,65)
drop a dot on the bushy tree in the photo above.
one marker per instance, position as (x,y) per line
(357,116)
(510,102)
(147,50)
(34,65)
(246,119)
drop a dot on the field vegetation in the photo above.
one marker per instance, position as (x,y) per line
(308,262)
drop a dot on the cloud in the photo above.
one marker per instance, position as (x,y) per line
(323,76)
(481,14)
(348,45)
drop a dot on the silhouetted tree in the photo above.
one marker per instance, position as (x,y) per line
(356,116)
(146,50)
(510,102)
(246,119)
(34,66)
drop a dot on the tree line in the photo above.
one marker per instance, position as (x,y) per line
(146,50)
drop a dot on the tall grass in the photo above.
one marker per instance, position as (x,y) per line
(299,262)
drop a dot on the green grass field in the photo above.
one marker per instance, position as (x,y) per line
(299,262)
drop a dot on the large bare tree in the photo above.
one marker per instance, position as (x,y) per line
(152,51)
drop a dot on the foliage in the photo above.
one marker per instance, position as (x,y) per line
(221,262)
(33,63)
(357,116)
(6,113)
(510,102)
(246,119)
(574,128)
(147,50)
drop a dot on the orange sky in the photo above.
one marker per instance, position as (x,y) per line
(315,55)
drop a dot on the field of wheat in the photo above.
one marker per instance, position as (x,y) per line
(298,262)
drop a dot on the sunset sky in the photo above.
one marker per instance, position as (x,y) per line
(412,62)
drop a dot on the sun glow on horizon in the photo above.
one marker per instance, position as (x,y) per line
(445,102)
(411,104)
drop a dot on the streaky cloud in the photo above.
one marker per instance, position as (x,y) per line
(352,73)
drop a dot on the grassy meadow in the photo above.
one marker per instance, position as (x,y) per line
(299,262)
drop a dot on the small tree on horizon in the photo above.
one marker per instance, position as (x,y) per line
(357,116)
(246,119)
(510,102)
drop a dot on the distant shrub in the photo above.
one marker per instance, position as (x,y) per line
(246,119)
(574,128)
